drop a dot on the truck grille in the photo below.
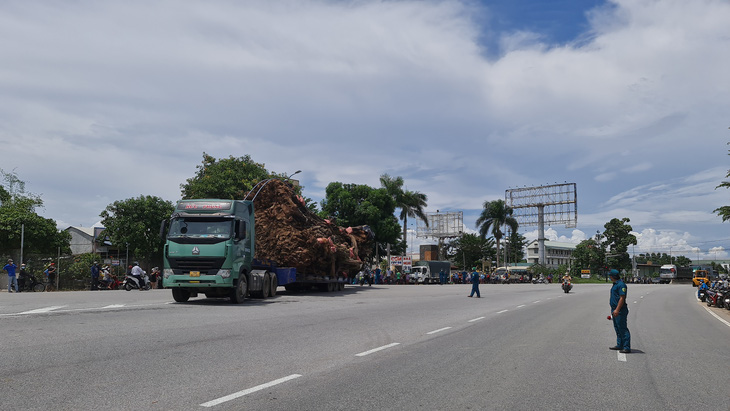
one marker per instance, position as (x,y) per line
(204,265)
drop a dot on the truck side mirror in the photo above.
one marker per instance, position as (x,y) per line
(241,229)
(163,225)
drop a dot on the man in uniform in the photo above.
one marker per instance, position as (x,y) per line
(474,283)
(619,313)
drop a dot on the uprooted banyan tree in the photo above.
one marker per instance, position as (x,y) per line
(290,234)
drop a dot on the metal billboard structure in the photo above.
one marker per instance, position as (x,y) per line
(549,204)
(441,226)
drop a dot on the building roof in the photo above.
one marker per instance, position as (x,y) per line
(556,244)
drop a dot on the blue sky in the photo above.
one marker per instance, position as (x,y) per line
(103,101)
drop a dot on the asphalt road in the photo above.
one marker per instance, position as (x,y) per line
(520,346)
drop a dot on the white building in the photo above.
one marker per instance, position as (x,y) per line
(556,253)
(83,240)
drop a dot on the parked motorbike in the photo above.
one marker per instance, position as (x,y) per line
(711,297)
(131,283)
(31,284)
(567,286)
(702,295)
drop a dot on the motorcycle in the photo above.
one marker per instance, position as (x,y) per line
(31,284)
(131,283)
(366,277)
(702,295)
(711,297)
(567,286)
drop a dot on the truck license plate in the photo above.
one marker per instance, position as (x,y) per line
(195,273)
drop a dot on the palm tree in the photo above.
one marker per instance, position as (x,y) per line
(411,203)
(494,215)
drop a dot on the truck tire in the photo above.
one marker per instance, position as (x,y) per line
(238,294)
(180,295)
(331,287)
(274,285)
(266,287)
(341,286)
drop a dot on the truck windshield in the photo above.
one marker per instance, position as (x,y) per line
(201,228)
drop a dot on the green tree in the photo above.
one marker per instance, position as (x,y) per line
(136,222)
(515,247)
(494,215)
(682,261)
(469,250)
(228,178)
(724,211)
(618,238)
(18,216)
(356,204)
(588,255)
(411,203)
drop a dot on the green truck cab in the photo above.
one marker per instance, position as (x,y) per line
(209,249)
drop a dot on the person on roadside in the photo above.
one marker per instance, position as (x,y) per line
(22,277)
(154,276)
(442,277)
(619,313)
(50,274)
(12,279)
(95,270)
(475,283)
(105,277)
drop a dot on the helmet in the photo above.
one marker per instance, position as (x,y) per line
(135,263)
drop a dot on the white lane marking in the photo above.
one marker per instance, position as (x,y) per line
(641,296)
(718,317)
(248,391)
(503,311)
(113,306)
(437,331)
(362,354)
(634,302)
(621,356)
(42,310)
(535,302)
(475,319)
(520,306)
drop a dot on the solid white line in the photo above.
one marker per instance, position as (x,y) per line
(362,354)
(621,357)
(248,391)
(503,311)
(437,331)
(476,319)
(718,317)
(43,310)
(520,306)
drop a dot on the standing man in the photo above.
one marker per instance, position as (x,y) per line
(22,276)
(619,313)
(474,282)
(12,280)
(50,273)
(442,277)
(95,276)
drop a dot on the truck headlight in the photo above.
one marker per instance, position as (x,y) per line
(224,273)
(167,272)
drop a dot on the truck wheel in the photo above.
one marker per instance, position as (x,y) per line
(331,287)
(341,286)
(266,287)
(274,285)
(238,294)
(180,295)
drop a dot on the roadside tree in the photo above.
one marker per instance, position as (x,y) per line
(470,250)
(724,211)
(411,203)
(357,204)
(18,214)
(135,222)
(494,215)
(618,238)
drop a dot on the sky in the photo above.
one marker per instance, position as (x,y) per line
(105,101)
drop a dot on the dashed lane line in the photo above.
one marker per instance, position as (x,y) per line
(368,352)
(40,310)
(249,391)
(476,319)
(438,331)
(503,311)
(520,306)
(621,356)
